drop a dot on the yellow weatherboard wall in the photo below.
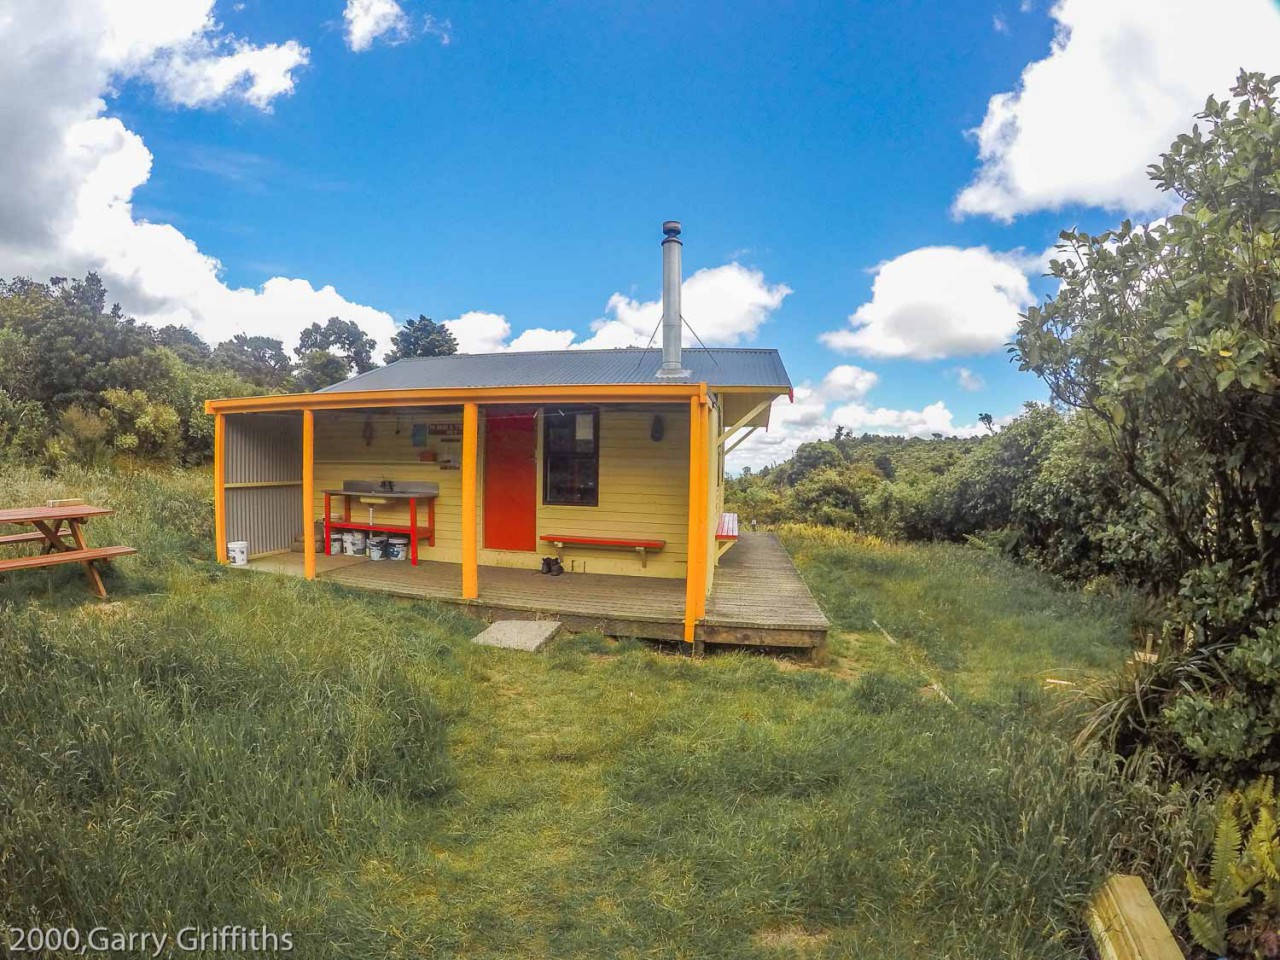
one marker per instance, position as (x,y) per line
(643,485)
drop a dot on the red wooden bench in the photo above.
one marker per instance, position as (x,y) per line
(728,527)
(642,547)
(726,532)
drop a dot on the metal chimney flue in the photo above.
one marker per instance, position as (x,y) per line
(672,323)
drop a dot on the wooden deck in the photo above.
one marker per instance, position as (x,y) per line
(758,597)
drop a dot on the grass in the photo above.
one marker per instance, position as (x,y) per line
(213,747)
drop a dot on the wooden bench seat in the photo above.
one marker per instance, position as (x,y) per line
(726,533)
(66,556)
(12,538)
(642,547)
(727,529)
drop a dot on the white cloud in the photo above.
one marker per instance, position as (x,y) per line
(999,24)
(968,380)
(1121,81)
(370,20)
(937,302)
(442,30)
(934,418)
(848,382)
(70,171)
(539,338)
(724,305)
(479,332)
(838,401)
(206,71)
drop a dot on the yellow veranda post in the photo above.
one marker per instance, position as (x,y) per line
(695,569)
(308,494)
(470,549)
(220,486)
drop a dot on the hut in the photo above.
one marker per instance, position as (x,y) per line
(482,470)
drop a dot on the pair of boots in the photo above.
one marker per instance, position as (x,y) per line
(552,565)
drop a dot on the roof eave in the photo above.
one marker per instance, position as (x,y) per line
(444,396)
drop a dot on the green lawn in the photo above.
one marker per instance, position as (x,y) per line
(219,746)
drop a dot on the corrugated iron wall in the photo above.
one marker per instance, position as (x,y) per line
(264,480)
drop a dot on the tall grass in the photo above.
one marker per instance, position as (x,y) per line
(216,746)
(205,748)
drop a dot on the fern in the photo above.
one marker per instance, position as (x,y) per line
(1242,873)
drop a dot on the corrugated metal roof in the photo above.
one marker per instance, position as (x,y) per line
(716,366)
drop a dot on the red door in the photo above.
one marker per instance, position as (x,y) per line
(510,479)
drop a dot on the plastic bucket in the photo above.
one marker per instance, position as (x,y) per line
(353,543)
(398,547)
(238,553)
(335,543)
(377,547)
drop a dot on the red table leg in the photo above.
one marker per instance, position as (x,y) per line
(431,522)
(413,532)
(327,548)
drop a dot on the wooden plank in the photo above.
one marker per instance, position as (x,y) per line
(32,514)
(83,555)
(761,601)
(11,539)
(1126,925)
(559,539)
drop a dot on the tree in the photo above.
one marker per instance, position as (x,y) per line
(185,343)
(988,421)
(60,336)
(1169,336)
(259,360)
(342,337)
(319,369)
(421,338)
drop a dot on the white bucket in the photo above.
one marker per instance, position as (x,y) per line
(238,553)
(335,543)
(353,543)
(398,547)
(377,548)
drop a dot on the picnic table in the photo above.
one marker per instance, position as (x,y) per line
(49,522)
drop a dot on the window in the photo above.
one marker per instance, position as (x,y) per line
(571,456)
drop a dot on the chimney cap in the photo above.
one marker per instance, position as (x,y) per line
(671,228)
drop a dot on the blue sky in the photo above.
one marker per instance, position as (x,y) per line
(507,168)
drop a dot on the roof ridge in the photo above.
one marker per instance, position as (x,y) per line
(573,352)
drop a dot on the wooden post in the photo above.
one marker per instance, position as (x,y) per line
(220,486)
(308,494)
(695,583)
(470,548)
(1126,925)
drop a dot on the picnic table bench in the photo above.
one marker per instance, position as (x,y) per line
(56,549)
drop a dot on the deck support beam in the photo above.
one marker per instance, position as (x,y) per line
(470,544)
(220,486)
(308,494)
(734,446)
(743,421)
(695,593)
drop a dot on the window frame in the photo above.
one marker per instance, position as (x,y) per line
(547,454)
